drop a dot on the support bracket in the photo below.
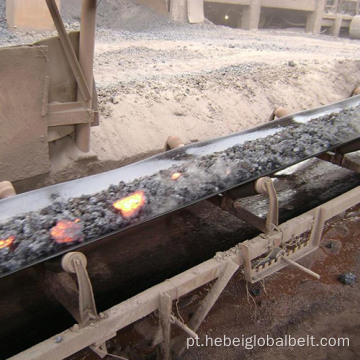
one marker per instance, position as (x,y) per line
(75,262)
(344,156)
(262,186)
(258,264)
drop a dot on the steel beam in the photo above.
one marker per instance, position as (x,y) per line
(86,58)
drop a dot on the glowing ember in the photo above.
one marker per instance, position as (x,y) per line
(4,243)
(175,176)
(130,205)
(67,231)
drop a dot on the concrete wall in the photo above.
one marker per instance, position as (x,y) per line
(29,15)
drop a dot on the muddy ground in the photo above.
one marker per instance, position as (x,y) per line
(156,78)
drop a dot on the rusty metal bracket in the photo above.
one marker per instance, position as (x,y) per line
(344,156)
(259,264)
(205,306)
(262,186)
(75,263)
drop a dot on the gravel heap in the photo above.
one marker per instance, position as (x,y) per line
(200,177)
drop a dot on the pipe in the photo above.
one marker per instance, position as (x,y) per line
(6,189)
(302,268)
(184,327)
(86,59)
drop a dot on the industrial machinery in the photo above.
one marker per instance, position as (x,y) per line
(40,230)
(99,246)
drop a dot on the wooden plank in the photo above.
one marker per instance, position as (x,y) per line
(23,129)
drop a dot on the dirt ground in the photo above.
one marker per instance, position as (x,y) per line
(156,78)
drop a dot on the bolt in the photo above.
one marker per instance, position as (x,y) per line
(59,339)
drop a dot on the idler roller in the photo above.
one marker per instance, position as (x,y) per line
(173,142)
(6,190)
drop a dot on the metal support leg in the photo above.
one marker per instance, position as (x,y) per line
(262,186)
(75,262)
(251,16)
(314,19)
(165,325)
(335,29)
(86,58)
(206,305)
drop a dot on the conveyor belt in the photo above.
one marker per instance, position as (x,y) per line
(207,169)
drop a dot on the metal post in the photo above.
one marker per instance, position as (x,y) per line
(165,324)
(207,304)
(314,19)
(251,16)
(86,58)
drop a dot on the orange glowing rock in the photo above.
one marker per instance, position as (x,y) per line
(175,176)
(4,243)
(130,205)
(67,231)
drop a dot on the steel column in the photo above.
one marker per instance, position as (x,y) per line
(86,59)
